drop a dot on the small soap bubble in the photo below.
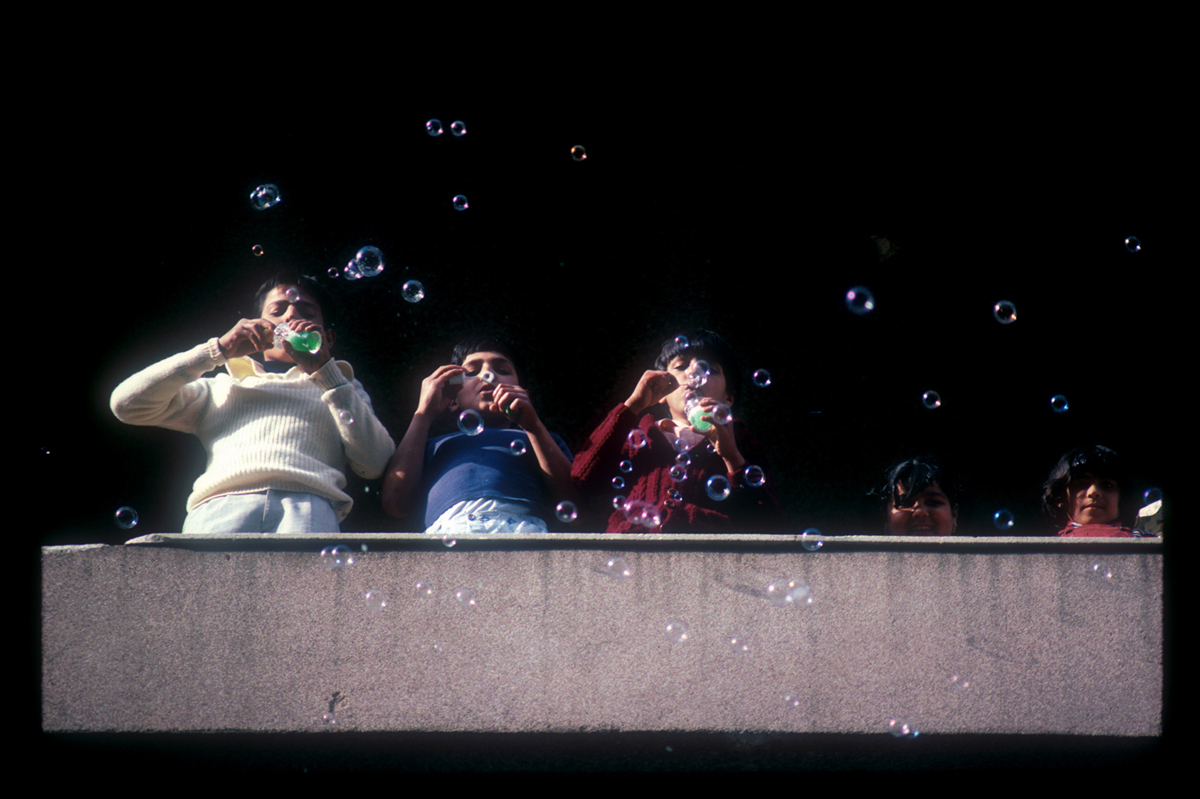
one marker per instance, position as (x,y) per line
(697,373)
(810,539)
(625,466)
(1100,571)
(1005,312)
(722,414)
(459,128)
(901,728)
(677,632)
(789,592)
(618,502)
(351,271)
(650,517)
(618,569)
(465,597)
(1058,403)
(412,291)
(762,378)
(677,472)
(681,342)
(792,700)
(333,272)
(579,153)
(470,422)
(738,645)
(329,718)
(680,445)
(674,498)
(636,439)
(257,249)
(1133,244)
(566,511)
(618,483)
(754,475)
(449,541)
(1151,495)
(337,557)
(45,450)
(460,202)
(423,589)
(345,417)
(434,127)
(292,294)
(376,600)
(959,683)
(684,459)
(717,487)
(264,196)
(369,261)
(931,400)
(517,447)
(1003,519)
(860,300)
(126,518)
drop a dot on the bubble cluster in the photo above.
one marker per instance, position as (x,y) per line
(1133,244)
(351,271)
(465,597)
(677,632)
(618,569)
(717,487)
(754,475)
(257,249)
(860,300)
(458,128)
(459,201)
(761,378)
(566,511)
(434,127)
(931,400)
(810,539)
(1003,519)
(126,518)
(579,153)
(1058,403)
(265,196)
(789,592)
(901,728)
(517,448)
(643,514)
(1004,312)
(376,600)
(698,373)
(368,261)
(470,422)
(412,291)
(337,557)
(636,438)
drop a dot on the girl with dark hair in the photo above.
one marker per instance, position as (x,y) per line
(1084,493)
(919,498)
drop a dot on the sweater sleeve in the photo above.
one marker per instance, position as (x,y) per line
(170,393)
(368,445)
(594,460)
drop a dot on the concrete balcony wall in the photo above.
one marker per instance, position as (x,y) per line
(255,634)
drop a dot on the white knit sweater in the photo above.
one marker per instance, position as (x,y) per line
(290,432)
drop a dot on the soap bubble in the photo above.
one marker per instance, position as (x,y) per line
(566,512)
(901,728)
(337,557)
(292,294)
(265,196)
(722,414)
(959,683)
(345,417)
(1058,403)
(369,261)
(717,487)
(618,483)
(257,249)
(458,128)
(329,718)
(683,459)
(931,400)
(332,272)
(376,600)
(423,589)
(1101,571)
(579,153)
(434,127)
(762,378)
(738,644)
(618,502)
(677,632)
(680,445)
(625,466)
(674,498)
(470,422)
(860,300)
(810,540)
(755,476)
(617,568)
(677,472)
(1151,495)
(1005,312)
(517,447)
(460,202)
(412,291)
(126,518)
(449,541)
(681,342)
(789,592)
(1003,519)
(1133,244)
(793,700)
(697,374)
(636,439)
(351,271)
(465,597)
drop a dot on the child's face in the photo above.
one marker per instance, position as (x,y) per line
(475,393)
(278,309)
(1093,500)
(929,514)
(714,387)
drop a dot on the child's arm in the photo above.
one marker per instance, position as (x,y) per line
(604,445)
(364,438)
(554,464)
(402,479)
(170,393)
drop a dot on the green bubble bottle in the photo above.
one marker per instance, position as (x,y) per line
(309,341)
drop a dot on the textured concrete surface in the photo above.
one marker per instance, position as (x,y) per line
(254,633)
